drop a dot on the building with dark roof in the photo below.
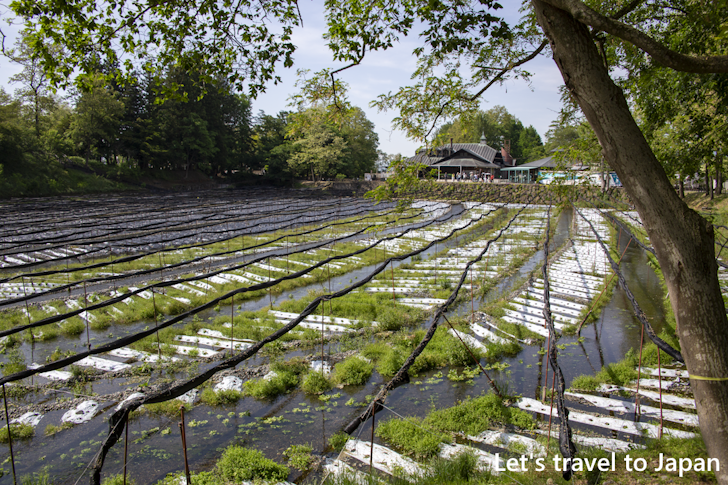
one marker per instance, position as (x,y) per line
(466,157)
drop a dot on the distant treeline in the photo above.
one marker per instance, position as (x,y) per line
(125,132)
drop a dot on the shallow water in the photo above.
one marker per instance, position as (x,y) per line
(297,418)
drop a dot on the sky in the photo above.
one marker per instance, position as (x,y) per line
(536,104)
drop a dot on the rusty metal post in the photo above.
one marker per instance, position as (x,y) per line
(181,425)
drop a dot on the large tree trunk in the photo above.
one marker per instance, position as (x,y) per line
(683,240)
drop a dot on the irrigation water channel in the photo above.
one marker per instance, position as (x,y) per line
(297,418)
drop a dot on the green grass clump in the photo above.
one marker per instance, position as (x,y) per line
(49,332)
(394,318)
(462,468)
(52,429)
(495,351)
(220,398)
(281,383)
(117,480)
(390,361)
(585,382)
(72,327)
(18,430)
(39,478)
(169,408)
(315,383)
(473,416)
(618,373)
(15,363)
(412,437)
(299,456)
(338,440)
(354,371)
(443,349)
(287,376)
(239,463)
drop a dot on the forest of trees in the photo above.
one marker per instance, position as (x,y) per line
(124,132)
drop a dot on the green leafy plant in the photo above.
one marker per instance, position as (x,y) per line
(354,371)
(316,382)
(239,463)
(299,456)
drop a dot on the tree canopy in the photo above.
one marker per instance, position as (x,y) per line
(466,48)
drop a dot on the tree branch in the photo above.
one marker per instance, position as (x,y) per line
(627,9)
(510,67)
(658,52)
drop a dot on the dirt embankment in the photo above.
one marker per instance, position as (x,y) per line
(480,192)
(344,187)
(517,193)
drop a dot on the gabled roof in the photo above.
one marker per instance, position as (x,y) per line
(477,151)
(484,152)
(465,157)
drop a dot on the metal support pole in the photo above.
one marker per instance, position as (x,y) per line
(472,305)
(394,298)
(10,437)
(270,296)
(159,345)
(639,374)
(126,447)
(27,311)
(659,383)
(232,323)
(181,425)
(371,449)
(85,308)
